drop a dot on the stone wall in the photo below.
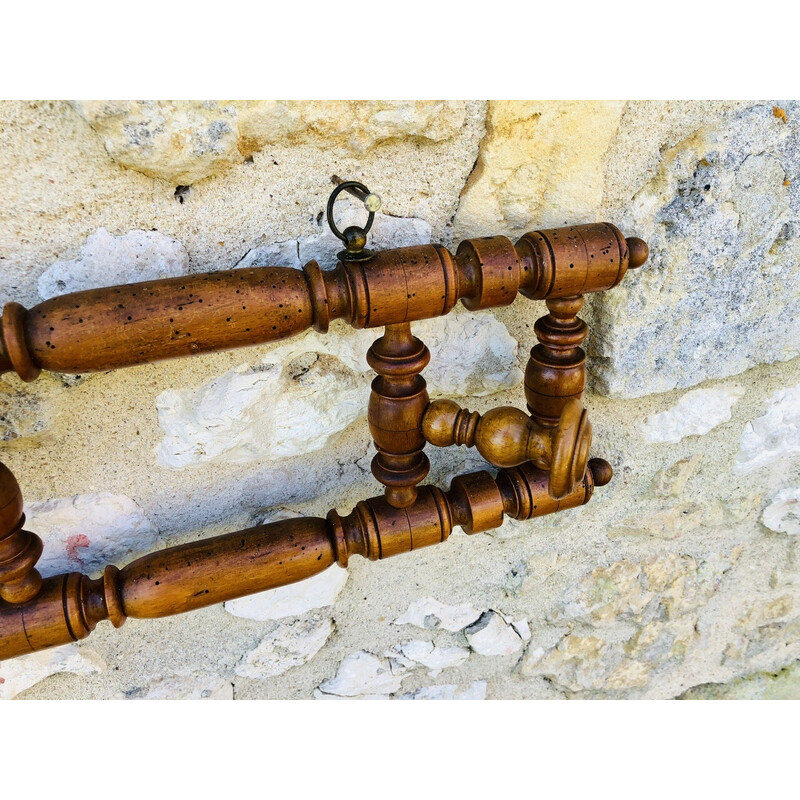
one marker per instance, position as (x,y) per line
(680,579)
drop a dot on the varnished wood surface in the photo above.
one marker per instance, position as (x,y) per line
(119,326)
(198,574)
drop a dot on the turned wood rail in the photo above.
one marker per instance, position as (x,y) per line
(543,455)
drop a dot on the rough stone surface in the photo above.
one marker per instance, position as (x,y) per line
(105,260)
(475,691)
(292,600)
(363,673)
(19,674)
(491,635)
(541,165)
(289,645)
(86,532)
(696,413)
(434,657)
(720,214)
(782,685)
(429,613)
(307,391)
(783,513)
(178,687)
(774,436)
(185,141)
(659,601)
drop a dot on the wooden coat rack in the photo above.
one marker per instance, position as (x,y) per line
(542,455)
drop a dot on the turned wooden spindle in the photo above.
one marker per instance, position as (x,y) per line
(397,402)
(19,549)
(140,323)
(195,575)
(507,436)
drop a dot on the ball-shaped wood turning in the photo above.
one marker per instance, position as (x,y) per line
(507,436)
(638,251)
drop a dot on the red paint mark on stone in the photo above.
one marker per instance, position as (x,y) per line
(2,681)
(73,543)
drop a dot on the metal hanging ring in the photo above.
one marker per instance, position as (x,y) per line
(347,186)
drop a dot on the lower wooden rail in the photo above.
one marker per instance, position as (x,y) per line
(68,607)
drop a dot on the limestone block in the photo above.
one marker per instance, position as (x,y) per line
(106,260)
(179,141)
(179,687)
(721,216)
(363,673)
(540,165)
(429,613)
(783,513)
(767,632)
(475,691)
(184,141)
(774,436)
(293,600)
(289,645)
(246,414)
(357,125)
(627,621)
(19,674)
(88,531)
(432,656)
(491,635)
(696,413)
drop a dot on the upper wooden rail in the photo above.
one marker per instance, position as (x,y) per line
(101,329)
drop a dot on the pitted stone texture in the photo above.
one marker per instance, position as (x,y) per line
(429,613)
(178,141)
(768,633)
(307,391)
(19,674)
(627,621)
(185,141)
(781,685)
(86,532)
(783,513)
(107,260)
(717,296)
(363,673)
(449,691)
(289,645)
(357,125)
(774,437)
(184,687)
(540,165)
(664,520)
(696,413)
(24,410)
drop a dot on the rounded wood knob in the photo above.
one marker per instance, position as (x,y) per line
(638,251)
